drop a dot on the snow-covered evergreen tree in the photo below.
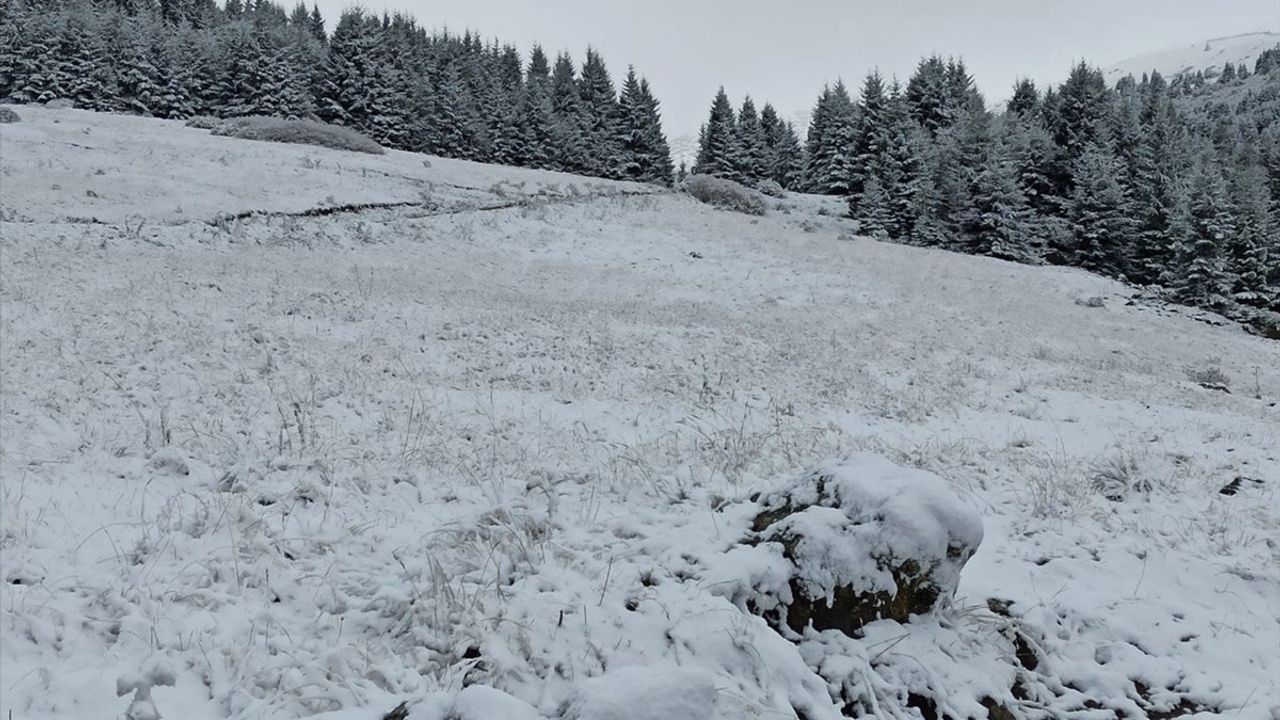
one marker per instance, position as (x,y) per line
(751,144)
(829,147)
(1198,275)
(1100,213)
(717,142)
(599,112)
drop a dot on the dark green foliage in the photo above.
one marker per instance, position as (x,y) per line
(383,76)
(644,155)
(718,143)
(782,155)
(1100,213)
(1198,275)
(829,151)
(1025,102)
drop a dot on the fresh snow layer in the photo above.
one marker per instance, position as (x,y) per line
(487,452)
(1208,56)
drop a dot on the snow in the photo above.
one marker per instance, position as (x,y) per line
(644,693)
(870,511)
(1208,56)
(488,452)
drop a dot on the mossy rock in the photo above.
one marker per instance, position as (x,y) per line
(864,540)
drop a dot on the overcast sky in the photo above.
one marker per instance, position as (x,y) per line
(783,51)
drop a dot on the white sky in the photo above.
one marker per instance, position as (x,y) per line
(783,51)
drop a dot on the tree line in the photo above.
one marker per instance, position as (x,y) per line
(452,95)
(1169,183)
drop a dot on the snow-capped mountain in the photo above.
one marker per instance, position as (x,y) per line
(1209,56)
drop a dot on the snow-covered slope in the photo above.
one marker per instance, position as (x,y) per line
(1208,56)
(312,432)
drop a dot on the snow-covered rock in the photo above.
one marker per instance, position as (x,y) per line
(862,539)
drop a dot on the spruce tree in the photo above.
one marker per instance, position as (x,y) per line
(660,170)
(599,108)
(783,156)
(1000,223)
(868,140)
(750,139)
(717,141)
(535,116)
(1198,276)
(928,97)
(829,156)
(1025,102)
(567,119)
(1082,105)
(1100,213)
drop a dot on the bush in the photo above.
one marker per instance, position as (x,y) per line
(305,132)
(771,188)
(724,194)
(8,116)
(204,122)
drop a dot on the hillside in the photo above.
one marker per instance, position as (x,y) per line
(1208,56)
(314,433)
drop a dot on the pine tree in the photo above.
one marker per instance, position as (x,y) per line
(567,128)
(1198,276)
(82,72)
(1159,191)
(138,78)
(1000,223)
(535,116)
(174,67)
(868,141)
(752,144)
(896,168)
(717,142)
(829,155)
(316,25)
(1081,107)
(874,213)
(1033,155)
(783,156)
(928,97)
(31,66)
(348,91)
(1100,213)
(599,117)
(659,170)
(1025,102)
(1247,250)
(750,139)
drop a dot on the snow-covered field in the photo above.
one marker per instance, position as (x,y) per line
(495,430)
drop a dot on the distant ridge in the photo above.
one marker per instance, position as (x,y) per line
(1206,55)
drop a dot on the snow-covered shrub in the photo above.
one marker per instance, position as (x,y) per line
(771,188)
(60,104)
(7,115)
(725,194)
(1208,375)
(203,122)
(305,132)
(853,542)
